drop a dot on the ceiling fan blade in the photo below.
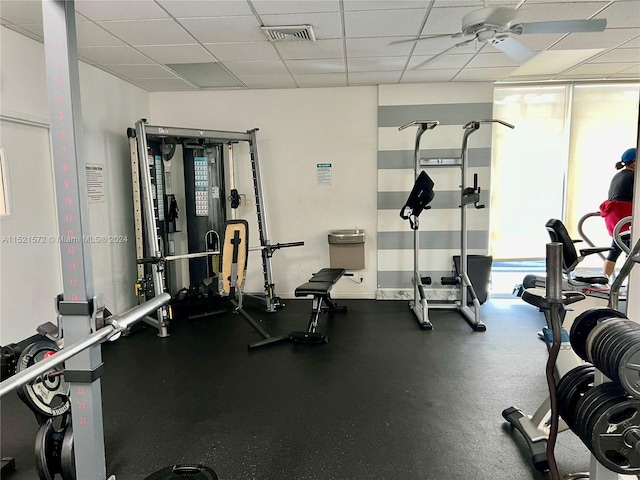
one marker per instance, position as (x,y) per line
(452,35)
(562,26)
(513,48)
(446,50)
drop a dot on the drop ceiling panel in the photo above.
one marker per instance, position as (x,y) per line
(607,39)
(321,80)
(539,12)
(35,29)
(374,64)
(353,5)
(91,35)
(369,78)
(302,50)
(307,6)
(245,51)
(441,63)
(199,8)
(387,23)
(148,32)
(267,81)
(165,84)
(119,10)
(445,20)
(483,74)
(141,71)
(21,11)
(331,65)
(205,74)
(633,43)
(114,55)
(325,25)
(491,59)
(433,46)
(420,76)
(257,68)
(621,14)
(599,68)
(223,30)
(620,55)
(632,72)
(177,53)
(539,41)
(378,47)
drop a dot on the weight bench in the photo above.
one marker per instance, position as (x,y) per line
(319,285)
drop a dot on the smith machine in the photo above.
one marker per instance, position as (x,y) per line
(419,198)
(184,192)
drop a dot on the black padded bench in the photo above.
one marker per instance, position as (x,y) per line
(319,285)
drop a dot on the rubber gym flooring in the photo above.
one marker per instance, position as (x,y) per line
(382,400)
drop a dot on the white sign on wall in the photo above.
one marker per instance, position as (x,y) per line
(323,173)
(95,182)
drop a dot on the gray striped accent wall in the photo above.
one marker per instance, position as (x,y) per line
(453,105)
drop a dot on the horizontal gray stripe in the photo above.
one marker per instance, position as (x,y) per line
(442,199)
(390,159)
(446,114)
(476,240)
(403,279)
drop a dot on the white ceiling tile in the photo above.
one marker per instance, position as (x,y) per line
(21,11)
(91,35)
(199,8)
(607,39)
(378,47)
(330,65)
(552,62)
(558,11)
(539,41)
(599,68)
(419,76)
(445,20)
(321,80)
(165,84)
(246,51)
(387,23)
(433,46)
(257,68)
(633,43)
(621,14)
(483,74)
(266,7)
(441,63)
(491,59)
(353,5)
(206,75)
(114,55)
(177,53)
(377,64)
(141,71)
(581,76)
(119,10)
(267,81)
(224,30)
(35,28)
(302,50)
(325,25)
(632,72)
(373,78)
(148,32)
(623,55)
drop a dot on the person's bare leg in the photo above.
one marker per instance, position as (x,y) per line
(609,268)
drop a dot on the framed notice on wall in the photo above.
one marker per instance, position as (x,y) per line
(323,173)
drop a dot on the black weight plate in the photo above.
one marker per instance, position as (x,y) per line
(608,341)
(67,458)
(584,407)
(612,398)
(194,472)
(630,376)
(43,437)
(571,387)
(607,435)
(45,395)
(626,341)
(584,323)
(596,333)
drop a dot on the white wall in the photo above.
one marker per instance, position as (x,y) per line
(31,277)
(298,129)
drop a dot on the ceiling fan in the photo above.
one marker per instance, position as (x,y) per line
(496,25)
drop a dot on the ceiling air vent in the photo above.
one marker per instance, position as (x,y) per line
(290,33)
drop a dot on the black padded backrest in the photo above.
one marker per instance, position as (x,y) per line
(558,233)
(420,196)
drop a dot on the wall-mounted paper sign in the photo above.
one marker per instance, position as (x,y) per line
(323,173)
(95,182)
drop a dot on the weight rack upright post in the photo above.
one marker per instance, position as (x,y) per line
(77,305)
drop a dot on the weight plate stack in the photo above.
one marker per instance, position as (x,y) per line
(585,323)
(47,395)
(571,388)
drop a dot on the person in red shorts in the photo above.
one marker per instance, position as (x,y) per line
(619,204)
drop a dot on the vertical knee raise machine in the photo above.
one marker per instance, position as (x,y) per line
(418,201)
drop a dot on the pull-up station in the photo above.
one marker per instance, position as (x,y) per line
(421,195)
